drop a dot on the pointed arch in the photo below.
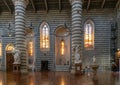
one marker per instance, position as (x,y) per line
(9,47)
(89,28)
(44,37)
(62,46)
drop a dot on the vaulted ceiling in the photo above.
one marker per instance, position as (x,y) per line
(36,5)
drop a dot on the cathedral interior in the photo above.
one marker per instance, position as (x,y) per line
(59,42)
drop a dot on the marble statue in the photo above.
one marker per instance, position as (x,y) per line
(16,56)
(77,55)
(94,59)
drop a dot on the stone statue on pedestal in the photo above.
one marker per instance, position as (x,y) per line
(94,59)
(77,55)
(16,56)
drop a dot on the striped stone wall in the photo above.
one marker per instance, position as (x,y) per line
(54,18)
(102,19)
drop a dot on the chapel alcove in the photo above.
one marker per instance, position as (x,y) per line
(62,47)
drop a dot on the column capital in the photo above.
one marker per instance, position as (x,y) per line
(21,1)
(75,0)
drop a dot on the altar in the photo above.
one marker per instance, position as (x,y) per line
(78,68)
(94,68)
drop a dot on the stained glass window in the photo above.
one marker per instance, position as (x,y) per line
(44,37)
(89,34)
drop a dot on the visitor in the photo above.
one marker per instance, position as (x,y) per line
(87,70)
(114,68)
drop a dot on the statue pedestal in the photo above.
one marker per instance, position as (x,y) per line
(78,68)
(16,67)
(94,67)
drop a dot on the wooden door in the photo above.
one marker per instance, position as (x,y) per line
(9,61)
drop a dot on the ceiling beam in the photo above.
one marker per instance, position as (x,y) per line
(46,5)
(117,4)
(103,3)
(33,5)
(60,5)
(88,5)
(7,6)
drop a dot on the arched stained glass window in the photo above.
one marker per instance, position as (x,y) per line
(44,37)
(89,34)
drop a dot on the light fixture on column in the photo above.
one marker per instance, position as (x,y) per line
(29,29)
(68,31)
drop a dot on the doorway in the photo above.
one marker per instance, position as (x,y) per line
(9,61)
(9,57)
(44,65)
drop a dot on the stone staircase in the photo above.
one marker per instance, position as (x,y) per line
(62,68)
(104,63)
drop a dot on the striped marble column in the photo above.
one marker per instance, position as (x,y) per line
(76,28)
(20,38)
(118,22)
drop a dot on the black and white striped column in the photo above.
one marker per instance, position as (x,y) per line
(118,24)
(20,38)
(76,28)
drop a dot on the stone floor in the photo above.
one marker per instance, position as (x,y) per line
(58,78)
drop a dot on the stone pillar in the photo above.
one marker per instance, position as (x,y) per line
(20,37)
(118,35)
(76,28)
(118,22)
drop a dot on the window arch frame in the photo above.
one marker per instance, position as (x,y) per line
(91,22)
(42,35)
